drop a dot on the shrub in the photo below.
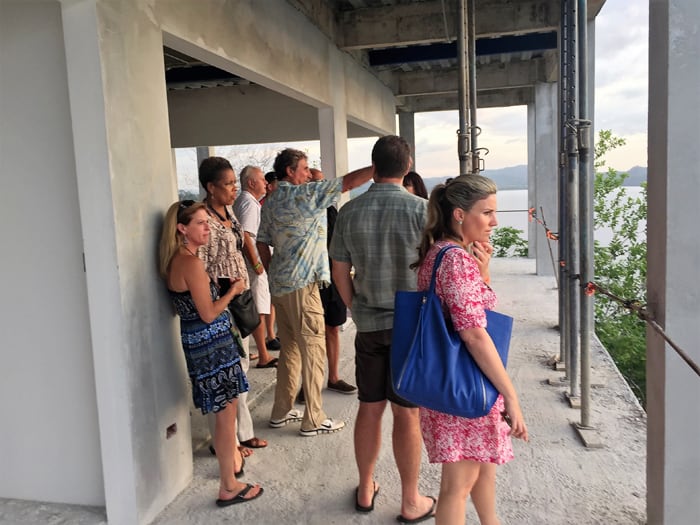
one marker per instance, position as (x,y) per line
(508,242)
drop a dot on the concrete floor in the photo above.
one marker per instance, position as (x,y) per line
(553,479)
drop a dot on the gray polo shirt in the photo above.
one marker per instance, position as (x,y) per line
(378,233)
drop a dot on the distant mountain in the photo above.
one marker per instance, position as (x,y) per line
(515,178)
(637,175)
(510,178)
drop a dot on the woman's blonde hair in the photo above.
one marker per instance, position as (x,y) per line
(180,212)
(462,192)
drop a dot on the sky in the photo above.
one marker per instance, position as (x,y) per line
(621,79)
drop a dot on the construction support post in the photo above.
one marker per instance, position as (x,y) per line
(463,147)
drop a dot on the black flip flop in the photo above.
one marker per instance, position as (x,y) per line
(370,508)
(430,514)
(240,497)
(272,363)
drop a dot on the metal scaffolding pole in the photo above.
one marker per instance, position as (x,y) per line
(473,128)
(463,90)
(585,213)
(572,260)
(563,211)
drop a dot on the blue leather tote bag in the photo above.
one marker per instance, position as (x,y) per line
(430,365)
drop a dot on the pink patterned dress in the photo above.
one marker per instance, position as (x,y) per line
(464,297)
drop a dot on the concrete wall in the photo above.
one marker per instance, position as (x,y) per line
(49,442)
(673,390)
(237,115)
(248,114)
(102,377)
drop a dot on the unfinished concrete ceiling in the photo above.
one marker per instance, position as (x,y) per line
(411,46)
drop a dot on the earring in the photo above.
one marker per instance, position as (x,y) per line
(185,240)
(460,222)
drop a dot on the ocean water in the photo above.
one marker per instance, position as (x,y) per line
(512,211)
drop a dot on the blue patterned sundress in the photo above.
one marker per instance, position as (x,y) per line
(211,353)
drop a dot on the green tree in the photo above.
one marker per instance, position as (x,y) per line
(620,266)
(184,195)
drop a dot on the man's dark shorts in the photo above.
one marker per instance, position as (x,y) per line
(335,313)
(372,370)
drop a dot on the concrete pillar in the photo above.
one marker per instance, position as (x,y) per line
(92,167)
(334,142)
(332,124)
(203,152)
(407,130)
(531,181)
(543,171)
(673,390)
(125,183)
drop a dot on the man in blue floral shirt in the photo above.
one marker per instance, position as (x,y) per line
(294,223)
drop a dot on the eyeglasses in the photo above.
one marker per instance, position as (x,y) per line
(186,204)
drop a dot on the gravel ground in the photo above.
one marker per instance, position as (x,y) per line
(554,479)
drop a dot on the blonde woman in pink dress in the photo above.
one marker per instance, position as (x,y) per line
(463,213)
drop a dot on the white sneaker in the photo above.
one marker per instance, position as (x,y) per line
(290,417)
(326,427)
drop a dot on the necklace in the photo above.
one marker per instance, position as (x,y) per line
(191,252)
(221,218)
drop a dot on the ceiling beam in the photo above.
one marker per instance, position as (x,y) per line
(530,43)
(495,75)
(320,13)
(424,22)
(485,99)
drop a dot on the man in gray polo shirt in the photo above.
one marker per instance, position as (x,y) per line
(378,233)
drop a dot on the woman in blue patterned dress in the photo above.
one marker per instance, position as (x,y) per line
(211,352)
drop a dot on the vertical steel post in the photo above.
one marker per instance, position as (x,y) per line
(585,213)
(463,90)
(563,211)
(473,131)
(572,204)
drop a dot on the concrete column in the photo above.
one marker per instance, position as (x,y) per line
(673,390)
(334,142)
(125,183)
(407,130)
(332,124)
(545,139)
(114,396)
(531,180)
(203,152)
